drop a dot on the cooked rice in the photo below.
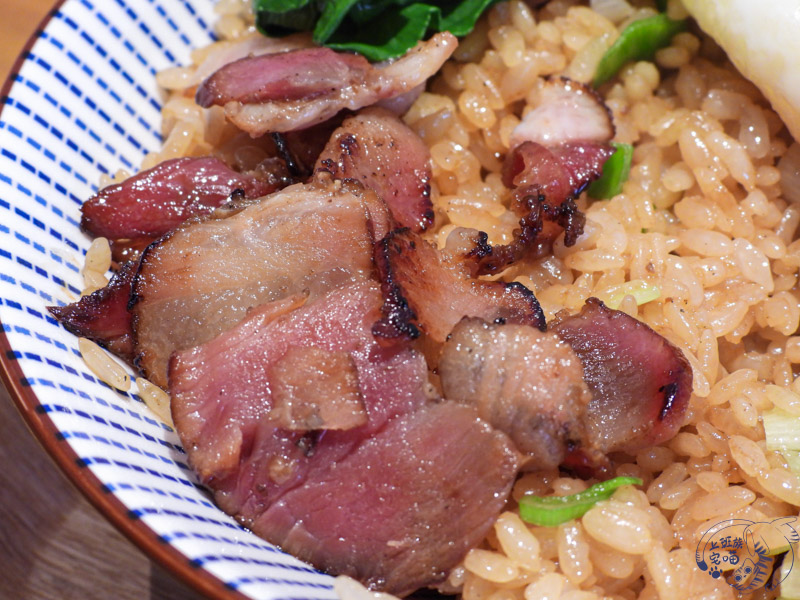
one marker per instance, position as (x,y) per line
(96,264)
(700,246)
(106,368)
(703,220)
(156,399)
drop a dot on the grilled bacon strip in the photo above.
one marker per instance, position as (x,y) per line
(378,150)
(294,90)
(568,111)
(152,203)
(557,150)
(424,292)
(205,276)
(525,382)
(546,182)
(103,316)
(640,383)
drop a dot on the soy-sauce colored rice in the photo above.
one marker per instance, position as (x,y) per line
(703,217)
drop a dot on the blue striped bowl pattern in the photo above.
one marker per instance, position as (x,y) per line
(83,102)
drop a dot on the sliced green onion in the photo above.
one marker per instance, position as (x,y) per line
(641,290)
(792,459)
(638,41)
(615,172)
(553,510)
(782,430)
(783,434)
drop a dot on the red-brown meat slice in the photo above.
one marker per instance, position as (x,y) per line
(314,388)
(558,149)
(401,510)
(546,182)
(526,383)
(557,173)
(426,293)
(103,316)
(298,74)
(297,89)
(253,44)
(377,149)
(640,383)
(233,439)
(567,111)
(156,201)
(204,277)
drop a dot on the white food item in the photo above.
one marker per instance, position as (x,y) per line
(763,41)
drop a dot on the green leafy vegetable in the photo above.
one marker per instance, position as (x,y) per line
(615,172)
(388,37)
(638,41)
(276,17)
(554,510)
(378,29)
(333,13)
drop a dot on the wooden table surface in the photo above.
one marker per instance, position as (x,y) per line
(53,543)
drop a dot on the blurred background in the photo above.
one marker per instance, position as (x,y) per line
(55,545)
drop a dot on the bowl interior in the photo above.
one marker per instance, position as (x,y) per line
(81,103)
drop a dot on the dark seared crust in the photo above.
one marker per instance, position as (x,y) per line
(671,391)
(640,382)
(134,298)
(103,316)
(424,293)
(593,93)
(295,166)
(492,259)
(380,151)
(546,182)
(567,215)
(482,249)
(398,317)
(537,314)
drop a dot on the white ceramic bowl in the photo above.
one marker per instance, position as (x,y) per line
(82,101)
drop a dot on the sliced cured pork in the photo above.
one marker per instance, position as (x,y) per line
(426,293)
(254,44)
(640,383)
(294,90)
(396,501)
(203,278)
(404,508)
(379,150)
(558,149)
(103,316)
(524,382)
(224,419)
(567,111)
(156,201)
